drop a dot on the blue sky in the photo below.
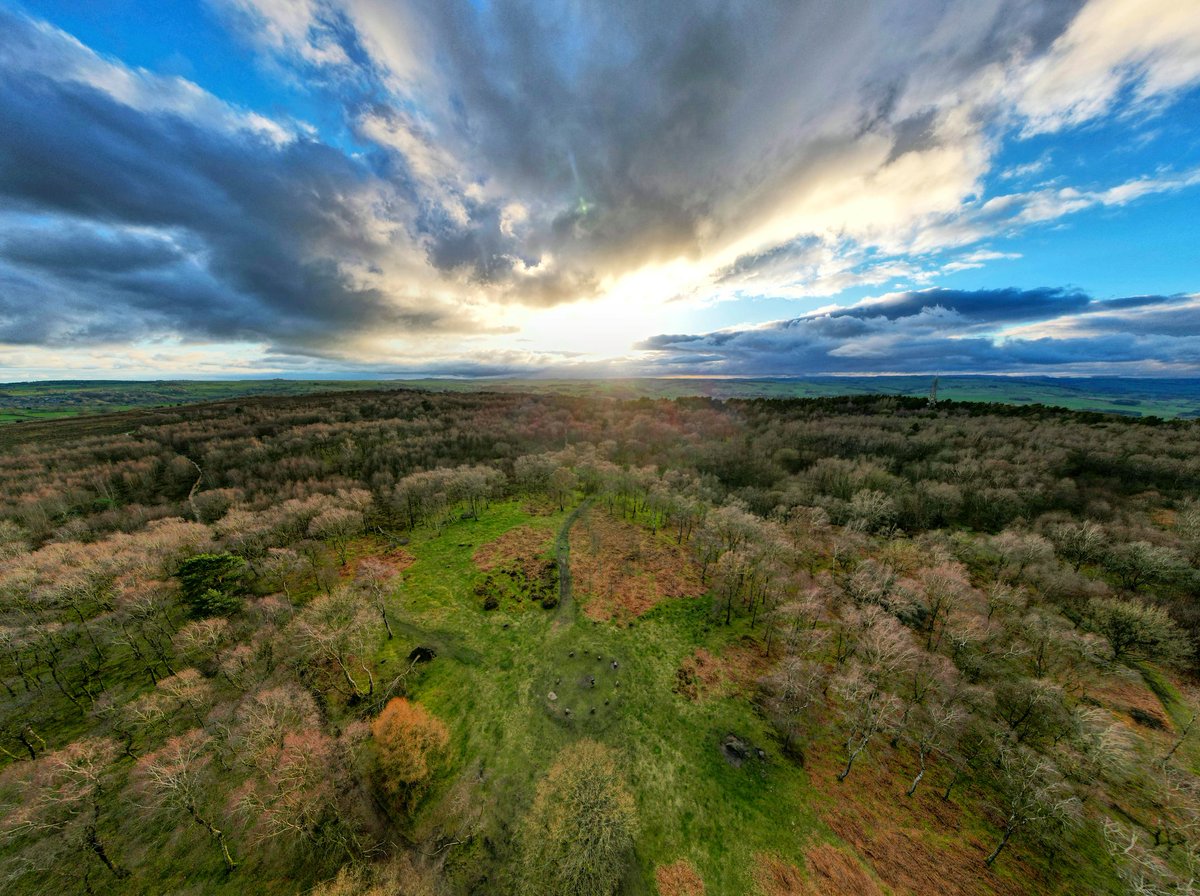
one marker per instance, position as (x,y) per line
(312,187)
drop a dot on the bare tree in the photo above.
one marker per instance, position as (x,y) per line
(333,629)
(869,709)
(374,576)
(175,777)
(65,796)
(1032,796)
(934,726)
(338,526)
(1136,630)
(790,691)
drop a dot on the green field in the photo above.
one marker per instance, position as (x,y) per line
(1112,395)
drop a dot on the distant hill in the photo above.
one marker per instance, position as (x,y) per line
(1177,397)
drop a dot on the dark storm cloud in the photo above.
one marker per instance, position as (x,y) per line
(627,132)
(923,332)
(70,248)
(127,222)
(986,306)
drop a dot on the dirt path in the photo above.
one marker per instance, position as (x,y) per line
(191,498)
(562,555)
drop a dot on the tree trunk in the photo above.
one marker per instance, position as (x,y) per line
(999,846)
(1182,737)
(97,846)
(63,689)
(917,780)
(950,787)
(216,834)
(850,760)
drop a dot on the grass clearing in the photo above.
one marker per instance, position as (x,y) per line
(505,732)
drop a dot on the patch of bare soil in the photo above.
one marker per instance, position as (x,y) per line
(525,545)
(678,879)
(620,570)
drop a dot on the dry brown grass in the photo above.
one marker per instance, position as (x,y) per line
(1121,694)
(698,675)
(1164,517)
(834,872)
(774,877)
(524,545)
(397,560)
(830,872)
(904,840)
(744,664)
(540,507)
(736,670)
(678,879)
(621,570)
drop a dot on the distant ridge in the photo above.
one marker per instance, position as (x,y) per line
(1128,396)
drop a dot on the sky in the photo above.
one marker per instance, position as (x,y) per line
(235,188)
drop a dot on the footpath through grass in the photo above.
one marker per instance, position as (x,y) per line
(493,691)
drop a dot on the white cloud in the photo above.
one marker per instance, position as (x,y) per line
(1150,46)
(52,53)
(623,162)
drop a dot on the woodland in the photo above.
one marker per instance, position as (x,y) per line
(404,643)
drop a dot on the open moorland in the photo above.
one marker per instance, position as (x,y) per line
(404,642)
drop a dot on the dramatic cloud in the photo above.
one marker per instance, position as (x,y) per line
(949,331)
(131,214)
(491,164)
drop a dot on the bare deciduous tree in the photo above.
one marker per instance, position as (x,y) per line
(175,777)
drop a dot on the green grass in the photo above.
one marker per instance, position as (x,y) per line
(491,690)
(1179,711)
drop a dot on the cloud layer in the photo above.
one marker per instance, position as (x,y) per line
(953,331)
(501,160)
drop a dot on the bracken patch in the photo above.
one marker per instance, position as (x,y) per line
(621,570)
(736,669)
(899,837)
(678,879)
(834,872)
(1128,698)
(524,545)
(397,560)
(774,877)
(698,675)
